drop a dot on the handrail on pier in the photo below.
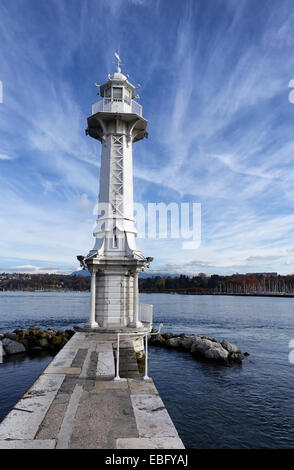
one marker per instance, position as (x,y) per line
(146,377)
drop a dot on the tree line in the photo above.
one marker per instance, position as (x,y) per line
(200,284)
(36,282)
(217,284)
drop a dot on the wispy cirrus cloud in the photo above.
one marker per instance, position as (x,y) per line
(215,92)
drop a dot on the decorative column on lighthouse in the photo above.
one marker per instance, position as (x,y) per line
(115,261)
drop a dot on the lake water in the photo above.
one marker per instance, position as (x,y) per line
(212,406)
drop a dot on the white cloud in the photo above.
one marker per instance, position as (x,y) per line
(5,157)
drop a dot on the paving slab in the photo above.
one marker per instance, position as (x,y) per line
(28,444)
(145,387)
(104,347)
(63,370)
(64,434)
(152,417)
(150,443)
(111,384)
(52,422)
(105,365)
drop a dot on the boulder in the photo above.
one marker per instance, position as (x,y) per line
(58,341)
(236,357)
(51,332)
(174,342)
(157,340)
(11,336)
(218,354)
(201,344)
(44,343)
(168,335)
(21,334)
(204,347)
(25,342)
(230,347)
(214,340)
(37,332)
(210,350)
(186,343)
(12,347)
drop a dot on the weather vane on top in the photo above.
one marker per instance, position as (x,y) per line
(118,63)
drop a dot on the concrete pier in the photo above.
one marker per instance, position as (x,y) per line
(76,404)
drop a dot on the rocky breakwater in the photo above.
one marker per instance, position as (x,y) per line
(34,340)
(201,347)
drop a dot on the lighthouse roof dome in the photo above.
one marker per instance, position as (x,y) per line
(117,75)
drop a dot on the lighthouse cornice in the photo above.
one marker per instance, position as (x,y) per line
(102,125)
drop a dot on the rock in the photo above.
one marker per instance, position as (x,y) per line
(60,333)
(214,340)
(37,332)
(44,343)
(20,334)
(25,342)
(235,357)
(11,336)
(32,341)
(218,354)
(51,332)
(246,354)
(173,342)
(1,336)
(186,343)
(157,340)
(58,341)
(168,335)
(231,348)
(207,349)
(200,345)
(12,347)
(204,347)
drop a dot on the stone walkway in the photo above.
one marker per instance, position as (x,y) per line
(76,404)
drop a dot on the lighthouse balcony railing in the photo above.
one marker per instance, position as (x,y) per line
(116,105)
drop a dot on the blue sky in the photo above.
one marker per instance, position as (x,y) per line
(214,78)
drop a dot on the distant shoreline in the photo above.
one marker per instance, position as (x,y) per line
(161,292)
(219,294)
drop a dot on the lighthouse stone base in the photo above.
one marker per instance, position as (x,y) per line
(114,292)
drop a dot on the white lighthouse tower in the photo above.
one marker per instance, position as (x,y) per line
(115,261)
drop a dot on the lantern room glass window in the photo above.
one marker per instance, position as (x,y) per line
(107,93)
(117,93)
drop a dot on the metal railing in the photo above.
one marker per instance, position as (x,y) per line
(146,377)
(116,105)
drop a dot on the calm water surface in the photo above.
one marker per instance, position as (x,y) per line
(212,406)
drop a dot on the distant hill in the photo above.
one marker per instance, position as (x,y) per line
(82,272)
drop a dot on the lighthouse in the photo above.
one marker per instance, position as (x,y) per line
(115,262)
